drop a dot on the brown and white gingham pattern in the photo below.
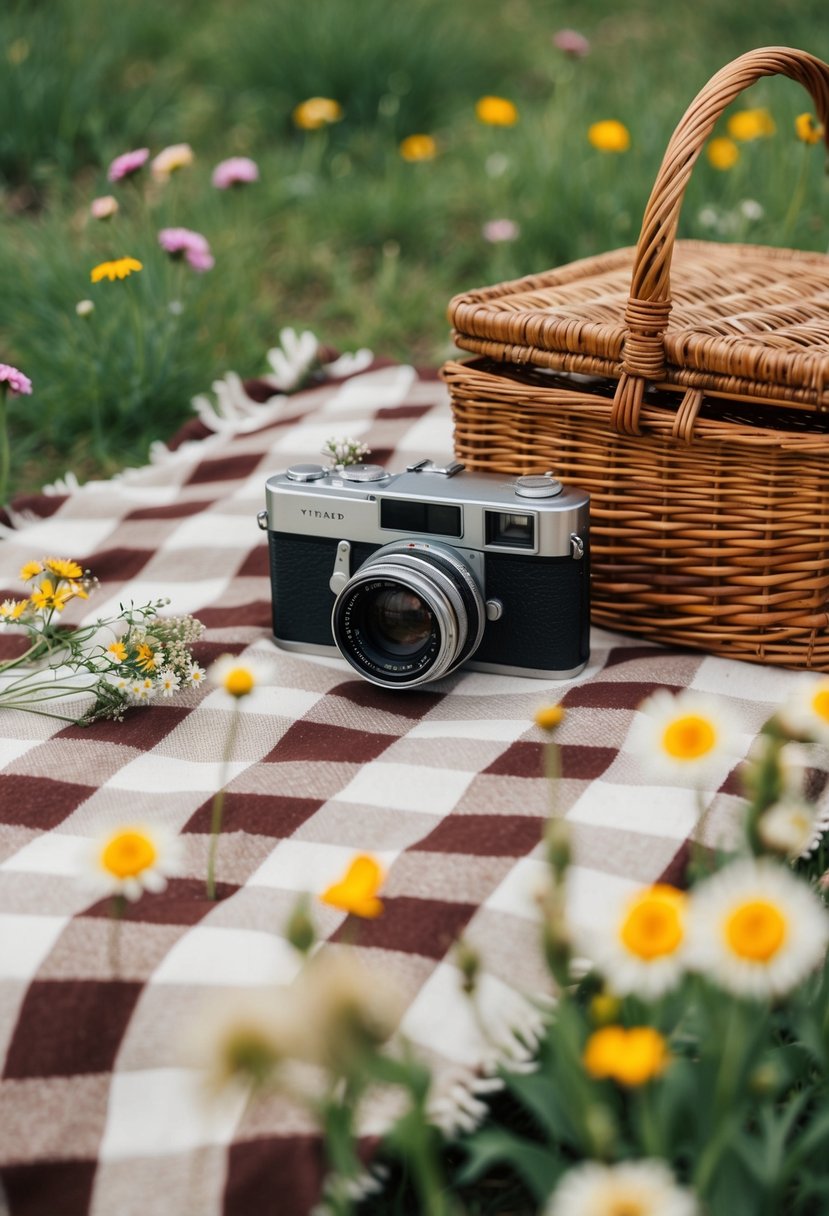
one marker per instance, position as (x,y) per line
(99,1111)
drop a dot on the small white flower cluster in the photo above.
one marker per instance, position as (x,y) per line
(153,659)
(343,452)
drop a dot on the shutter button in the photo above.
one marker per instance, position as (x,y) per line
(540,485)
(363,472)
(305,472)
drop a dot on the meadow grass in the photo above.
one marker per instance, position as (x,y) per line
(340,234)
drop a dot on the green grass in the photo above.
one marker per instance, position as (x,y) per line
(340,235)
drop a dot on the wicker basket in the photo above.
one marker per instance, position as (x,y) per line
(686,386)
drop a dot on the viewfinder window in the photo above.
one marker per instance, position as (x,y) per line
(408,515)
(510,530)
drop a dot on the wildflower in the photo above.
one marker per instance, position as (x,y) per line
(609,135)
(498,231)
(344,452)
(127,163)
(418,147)
(243,1037)
(806,712)
(195,675)
(103,208)
(192,246)
(496,111)
(238,677)
(629,1188)
(572,43)
(84,307)
(808,129)
(14,380)
(751,209)
(746,125)
(170,160)
(121,268)
(722,153)
(168,682)
(791,827)
(357,891)
(133,858)
(30,570)
(116,651)
(631,1057)
(317,112)
(549,717)
(688,737)
(147,656)
(756,930)
(50,597)
(640,947)
(12,610)
(237,171)
(62,567)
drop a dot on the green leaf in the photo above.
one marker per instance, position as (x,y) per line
(537,1094)
(538,1166)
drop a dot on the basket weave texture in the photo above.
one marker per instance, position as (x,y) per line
(685,385)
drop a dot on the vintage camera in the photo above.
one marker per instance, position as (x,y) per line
(410,575)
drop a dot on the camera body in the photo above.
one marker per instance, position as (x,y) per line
(410,575)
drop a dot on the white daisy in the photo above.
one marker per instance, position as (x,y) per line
(755,929)
(142,690)
(688,738)
(806,712)
(195,675)
(168,682)
(639,946)
(132,858)
(241,1037)
(792,827)
(237,676)
(631,1188)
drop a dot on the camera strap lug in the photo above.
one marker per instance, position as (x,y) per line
(262,520)
(576,547)
(342,567)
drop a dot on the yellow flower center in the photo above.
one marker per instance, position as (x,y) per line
(653,925)
(239,681)
(627,1206)
(755,931)
(689,737)
(820,703)
(128,854)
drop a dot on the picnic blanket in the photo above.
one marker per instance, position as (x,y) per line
(99,1111)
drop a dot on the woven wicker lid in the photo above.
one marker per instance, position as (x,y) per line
(742,321)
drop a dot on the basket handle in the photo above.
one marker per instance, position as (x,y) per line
(649,305)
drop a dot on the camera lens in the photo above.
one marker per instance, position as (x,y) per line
(410,614)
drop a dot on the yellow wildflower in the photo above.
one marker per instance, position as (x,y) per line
(630,1057)
(116,651)
(746,125)
(550,717)
(609,135)
(808,128)
(357,891)
(12,610)
(118,269)
(62,567)
(317,112)
(722,153)
(169,160)
(418,147)
(31,570)
(145,657)
(48,596)
(496,111)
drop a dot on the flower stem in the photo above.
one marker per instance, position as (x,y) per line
(218,805)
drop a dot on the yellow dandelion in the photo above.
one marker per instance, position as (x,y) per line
(357,891)
(496,111)
(31,570)
(120,268)
(418,147)
(317,112)
(632,1057)
(609,135)
(746,125)
(62,567)
(808,129)
(722,153)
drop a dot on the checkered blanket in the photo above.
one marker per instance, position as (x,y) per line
(99,1110)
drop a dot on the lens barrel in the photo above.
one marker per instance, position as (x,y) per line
(411,614)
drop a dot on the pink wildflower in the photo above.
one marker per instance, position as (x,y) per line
(237,171)
(572,43)
(127,164)
(191,245)
(17,382)
(500,230)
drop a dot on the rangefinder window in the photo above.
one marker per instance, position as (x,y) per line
(404,515)
(510,531)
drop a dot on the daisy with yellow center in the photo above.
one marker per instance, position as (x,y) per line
(631,1057)
(236,676)
(120,268)
(62,567)
(631,1188)
(196,675)
(746,125)
(640,945)
(722,153)
(792,828)
(806,712)
(133,858)
(418,147)
(496,111)
(756,930)
(317,112)
(688,739)
(808,129)
(356,892)
(609,135)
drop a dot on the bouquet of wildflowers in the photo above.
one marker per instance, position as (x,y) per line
(127,659)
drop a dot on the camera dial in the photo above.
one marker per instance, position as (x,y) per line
(412,613)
